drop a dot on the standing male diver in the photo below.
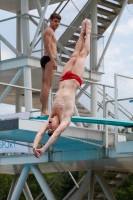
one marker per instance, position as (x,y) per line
(48,62)
(63,105)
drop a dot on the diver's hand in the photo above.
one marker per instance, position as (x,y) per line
(38,152)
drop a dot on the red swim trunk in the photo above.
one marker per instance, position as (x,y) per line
(69,75)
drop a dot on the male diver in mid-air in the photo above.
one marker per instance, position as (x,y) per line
(70,81)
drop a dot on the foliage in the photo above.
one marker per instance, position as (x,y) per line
(63,186)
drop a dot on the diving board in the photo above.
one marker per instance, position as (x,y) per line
(26,130)
(93,120)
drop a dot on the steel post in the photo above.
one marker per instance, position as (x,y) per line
(76,113)
(14,182)
(18,100)
(104,185)
(27,83)
(116,106)
(93,59)
(80,192)
(20,184)
(25,26)
(18,33)
(27,192)
(91,185)
(43,184)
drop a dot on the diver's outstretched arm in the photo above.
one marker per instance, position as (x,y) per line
(40,135)
(63,125)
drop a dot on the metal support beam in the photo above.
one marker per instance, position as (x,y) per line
(104,185)
(93,59)
(72,190)
(116,106)
(82,91)
(49,101)
(105,128)
(27,83)
(38,6)
(76,113)
(63,49)
(39,24)
(18,100)
(112,33)
(20,184)
(73,179)
(27,192)
(52,181)
(91,185)
(10,45)
(18,33)
(26,50)
(80,192)
(94,104)
(14,182)
(43,184)
(25,26)
(44,24)
(0,50)
(15,78)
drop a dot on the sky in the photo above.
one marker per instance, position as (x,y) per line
(119,56)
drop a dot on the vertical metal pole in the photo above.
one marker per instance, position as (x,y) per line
(26,50)
(93,103)
(13,186)
(43,184)
(105,139)
(20,184)
(42,39)
(116,107)
(18,33)
(27,192)
(91,185)
(19,48)
(0,50)
(49,101)
(93,60)
(105,142)
(104,186)
(27,93)
(80,192)
(25,26)
(18,100)
(76,113)
(104,98)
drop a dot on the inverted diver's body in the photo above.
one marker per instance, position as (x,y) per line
(63,105)
(64,101)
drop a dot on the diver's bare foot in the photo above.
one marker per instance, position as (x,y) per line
(88,26)
(83,26)
(44,113)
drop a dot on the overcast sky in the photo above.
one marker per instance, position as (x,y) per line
(119,56)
